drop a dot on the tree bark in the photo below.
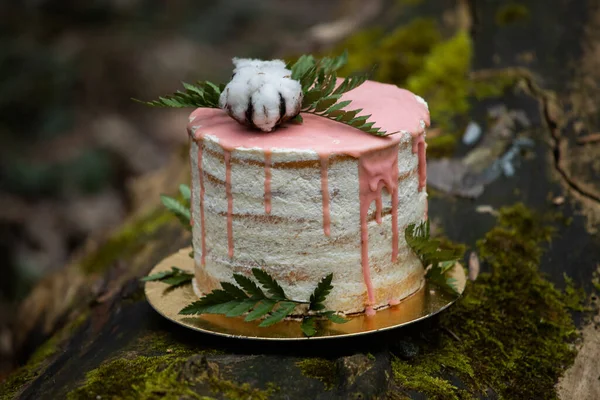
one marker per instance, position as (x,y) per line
(105,338)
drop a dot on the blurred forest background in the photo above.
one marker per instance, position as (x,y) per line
(73,145)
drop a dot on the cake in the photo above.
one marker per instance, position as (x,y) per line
(311,199)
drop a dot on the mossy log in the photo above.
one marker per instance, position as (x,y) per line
(513,334)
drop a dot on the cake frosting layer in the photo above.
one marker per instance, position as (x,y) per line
(312,199)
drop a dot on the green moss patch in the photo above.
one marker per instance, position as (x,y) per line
(126,242)
(39,360)
(159,377)
(511,331)
(320,369)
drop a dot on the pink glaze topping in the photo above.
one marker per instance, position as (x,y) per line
(393,109)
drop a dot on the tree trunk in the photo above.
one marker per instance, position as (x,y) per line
(106,342)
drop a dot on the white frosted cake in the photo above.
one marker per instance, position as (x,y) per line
(311,199)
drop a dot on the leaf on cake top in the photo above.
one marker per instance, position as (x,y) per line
(309,86)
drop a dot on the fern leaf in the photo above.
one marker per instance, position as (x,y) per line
(320,293)
(269,284)
(283,310)
(335,318)
(260,310)
(234,291)
(242,308)
(178,280)
(249,286)
(178,209)
(185,191)
(308,326)
(158,276)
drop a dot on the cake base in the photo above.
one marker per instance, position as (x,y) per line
(426,302)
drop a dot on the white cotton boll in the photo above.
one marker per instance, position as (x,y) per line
(261,94)
(291,90)
(265,102)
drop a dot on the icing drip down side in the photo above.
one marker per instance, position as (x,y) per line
(376,171)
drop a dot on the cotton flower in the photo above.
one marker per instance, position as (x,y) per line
(261,94)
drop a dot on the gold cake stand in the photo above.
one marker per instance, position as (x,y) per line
(426,302)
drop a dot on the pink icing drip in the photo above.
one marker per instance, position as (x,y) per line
(201,179)
(369,311)
(377,170)
(229,202)
(191,193)
(419,147)
(268,181)
(325,195)
(393,302)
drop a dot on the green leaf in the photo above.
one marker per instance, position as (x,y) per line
(185,191)
(359,121)
(427,249)
(234,291)
(217,296)
(249,286)
(260,310)
(329,85)
(199,308)
(243,307)
(308,326)
(335,318)
(302,66)
(349,115)
(269,284)
(298,119)
(178,280)
(175,277)
(177,209)
(311,97)
(325,103)
(337,106)
(320,293)
(204,94)
(158,276)
(283,310)
(445,283)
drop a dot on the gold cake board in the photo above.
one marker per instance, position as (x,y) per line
(426,302)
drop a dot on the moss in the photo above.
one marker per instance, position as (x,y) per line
(425,375)
(234,391)
(443,80)
(511,326)
(15,382)
(511,13)
(39,360)
(494,85)
(397,54)
(416,56)
(126,242)
(574,297)
(320,369)
(158,377)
